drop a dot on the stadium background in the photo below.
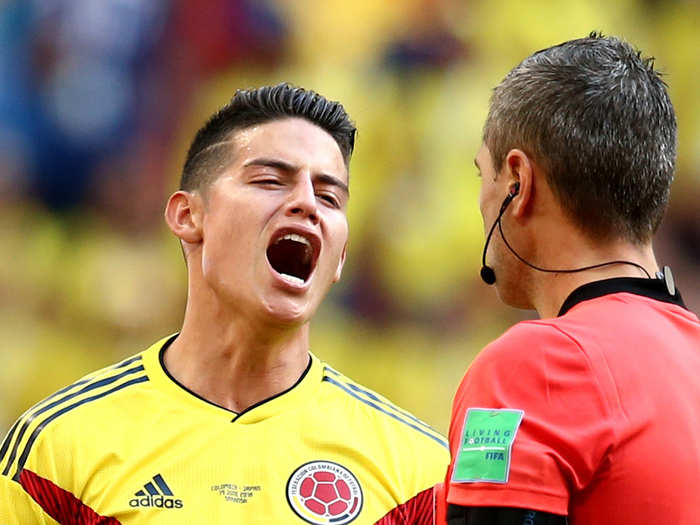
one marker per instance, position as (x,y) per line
(98,100)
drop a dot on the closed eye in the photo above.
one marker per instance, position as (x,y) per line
(270,182)
(329,198)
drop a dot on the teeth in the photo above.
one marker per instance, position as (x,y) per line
(292,279)
(296,237)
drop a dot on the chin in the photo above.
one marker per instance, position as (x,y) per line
(288,314)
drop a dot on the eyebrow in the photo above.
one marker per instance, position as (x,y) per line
(271,163)
(281,165)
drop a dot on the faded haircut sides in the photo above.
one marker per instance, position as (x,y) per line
(207,156)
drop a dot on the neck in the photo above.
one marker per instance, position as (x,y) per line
(550,290)
(235,361)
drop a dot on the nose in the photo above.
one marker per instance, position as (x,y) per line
(302,201)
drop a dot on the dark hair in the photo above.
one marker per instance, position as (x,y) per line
(597,117)
(206,158)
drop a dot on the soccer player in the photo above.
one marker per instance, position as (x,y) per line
(589,414)
(233,420)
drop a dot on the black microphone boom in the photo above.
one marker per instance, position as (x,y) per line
(488,275)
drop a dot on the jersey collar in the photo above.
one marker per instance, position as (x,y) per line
(652,288)
(303,391)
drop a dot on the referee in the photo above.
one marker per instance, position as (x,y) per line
(589,415)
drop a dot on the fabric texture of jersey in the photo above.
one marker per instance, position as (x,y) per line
(129,445)
(609,394)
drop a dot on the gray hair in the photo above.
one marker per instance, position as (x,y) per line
(597,117)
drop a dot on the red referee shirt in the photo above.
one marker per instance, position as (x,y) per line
(594,414)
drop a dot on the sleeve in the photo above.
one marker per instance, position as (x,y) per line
(419,510)
(500,516)
(529,423)
(17,507)
(439,504)
(34,480)
(458,515)
(428,465)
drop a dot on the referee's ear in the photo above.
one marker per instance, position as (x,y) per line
(182,213)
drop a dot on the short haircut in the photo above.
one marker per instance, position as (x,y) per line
(597,117)
(206,157)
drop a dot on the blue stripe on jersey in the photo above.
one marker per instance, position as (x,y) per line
(8,438)
(390,414)
(162,485)
(127,362)
(42,425)
(374,397)
(30,418)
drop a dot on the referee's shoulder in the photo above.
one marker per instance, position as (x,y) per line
(526,337)
(374,410)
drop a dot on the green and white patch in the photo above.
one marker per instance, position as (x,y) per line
(485,448)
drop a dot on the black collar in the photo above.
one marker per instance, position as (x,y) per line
(652,288)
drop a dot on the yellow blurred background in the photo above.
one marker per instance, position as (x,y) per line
(98,103)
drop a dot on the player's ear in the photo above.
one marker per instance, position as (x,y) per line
(520,170)
(341,263)
(183,213)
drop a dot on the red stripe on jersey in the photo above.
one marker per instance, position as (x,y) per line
(60,504)
(417,511)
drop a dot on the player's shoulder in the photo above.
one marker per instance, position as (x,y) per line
(67,411)
(376,411)
(94,387)
(97,385)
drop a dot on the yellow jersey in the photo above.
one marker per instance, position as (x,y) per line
(130,445)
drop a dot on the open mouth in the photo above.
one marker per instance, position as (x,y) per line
(292,256)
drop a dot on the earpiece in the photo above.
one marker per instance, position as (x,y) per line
(514,189)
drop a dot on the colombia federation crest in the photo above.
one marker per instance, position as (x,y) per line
(324,493)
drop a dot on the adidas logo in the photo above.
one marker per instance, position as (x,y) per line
(156,493)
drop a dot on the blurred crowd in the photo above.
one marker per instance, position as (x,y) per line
(98,101)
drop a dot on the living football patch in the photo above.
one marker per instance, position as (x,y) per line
(486,444)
